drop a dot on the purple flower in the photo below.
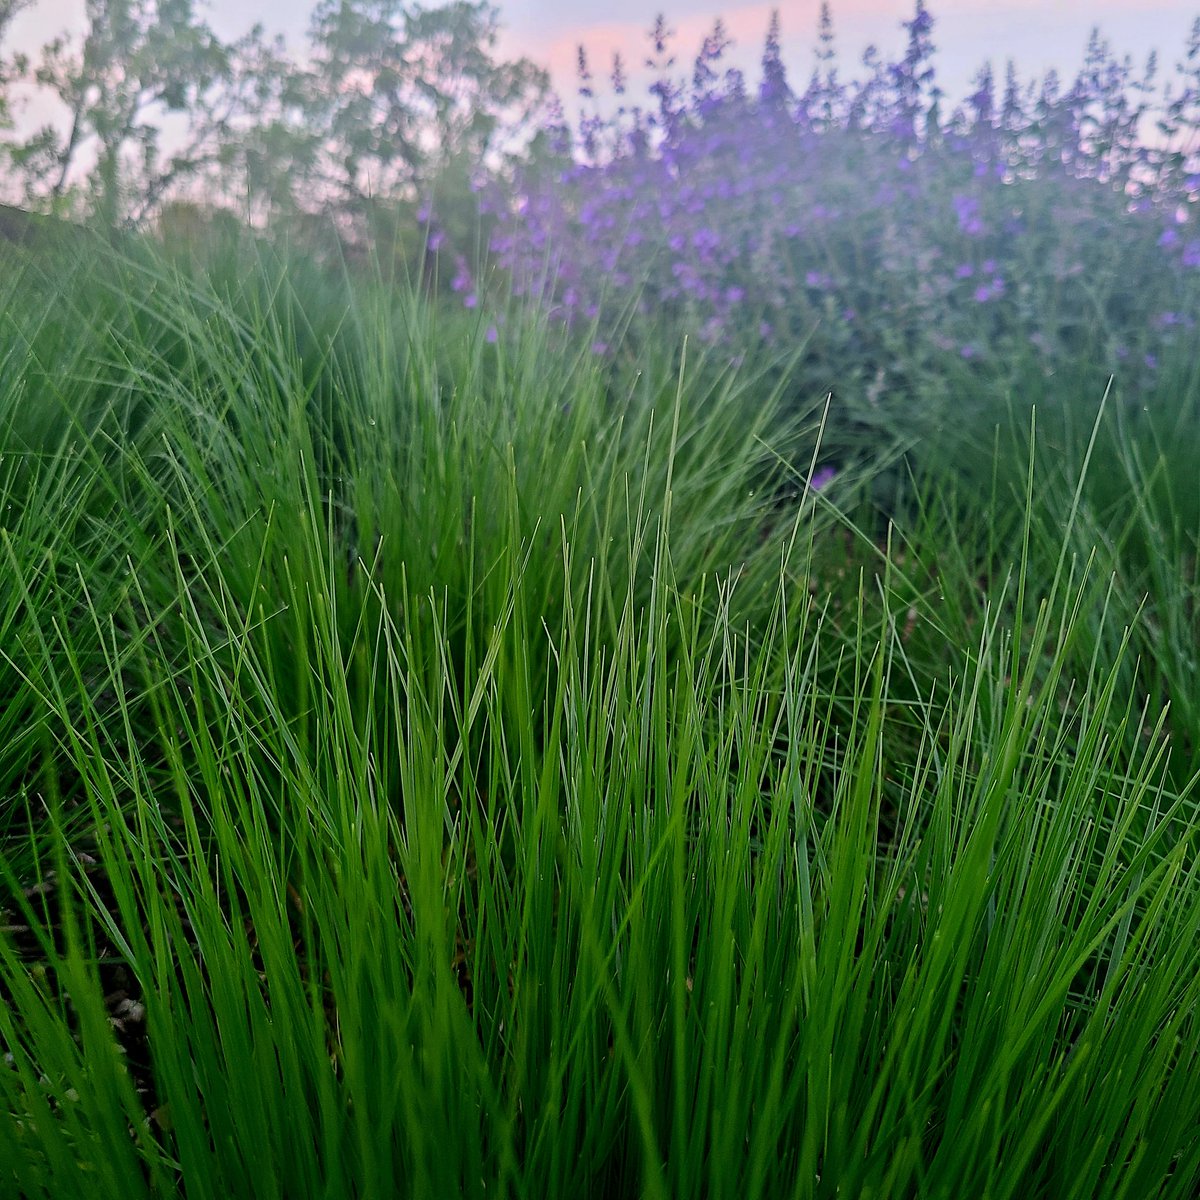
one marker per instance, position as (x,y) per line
(599,347)
(437,239)
(734,295)
(1151,361)
(821,477)
(964,271)
(966,208)
(969,352)
(1191,254)
(492,334)
(983,294)
(470,300)
(1168,237)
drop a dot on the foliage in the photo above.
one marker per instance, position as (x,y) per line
(399,92)
(1014,238)
(390,97)
(140,60)
(8,67)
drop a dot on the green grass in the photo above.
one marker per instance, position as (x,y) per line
(434,767)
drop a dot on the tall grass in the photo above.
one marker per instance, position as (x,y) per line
(445,767)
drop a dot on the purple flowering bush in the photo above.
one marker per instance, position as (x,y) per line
(914,251)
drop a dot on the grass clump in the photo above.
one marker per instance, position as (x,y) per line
(446,766)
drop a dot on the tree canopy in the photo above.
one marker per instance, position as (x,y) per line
(152,104)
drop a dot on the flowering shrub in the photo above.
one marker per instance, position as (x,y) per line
(1034,231)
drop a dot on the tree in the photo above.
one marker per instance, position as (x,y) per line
(155,108)
(268,157)
(9,68)
(401,92)
(140,62)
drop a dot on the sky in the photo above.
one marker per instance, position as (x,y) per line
(1037,34)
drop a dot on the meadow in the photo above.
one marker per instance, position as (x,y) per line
(677,741)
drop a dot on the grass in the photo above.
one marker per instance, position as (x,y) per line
(435,767)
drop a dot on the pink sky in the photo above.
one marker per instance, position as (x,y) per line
(1038,34)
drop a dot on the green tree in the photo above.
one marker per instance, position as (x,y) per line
(9,68)
(267,150)
(142,64)
(400,93)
